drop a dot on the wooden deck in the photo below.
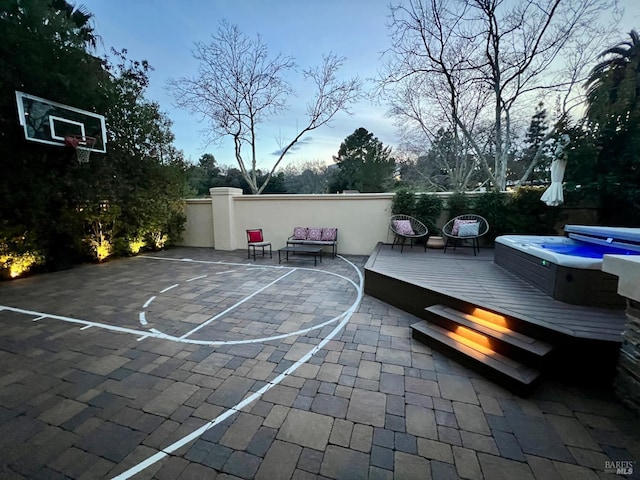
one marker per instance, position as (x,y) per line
(417,279)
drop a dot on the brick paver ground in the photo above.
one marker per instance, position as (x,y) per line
(144,364)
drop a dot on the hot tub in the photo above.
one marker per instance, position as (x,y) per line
(569,268)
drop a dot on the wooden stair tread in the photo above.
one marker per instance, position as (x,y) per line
(503,334)
(505,366)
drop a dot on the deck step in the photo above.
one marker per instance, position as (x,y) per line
(503,370)
(493,332)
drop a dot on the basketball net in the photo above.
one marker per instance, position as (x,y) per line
(82,145)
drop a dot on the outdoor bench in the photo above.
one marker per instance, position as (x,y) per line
(321,236)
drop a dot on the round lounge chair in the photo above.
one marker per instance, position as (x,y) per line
(464,228)
(406,228)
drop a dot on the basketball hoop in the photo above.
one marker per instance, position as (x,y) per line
(82,145)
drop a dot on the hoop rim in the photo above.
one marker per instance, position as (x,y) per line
(79,141)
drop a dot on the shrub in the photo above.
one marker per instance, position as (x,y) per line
(458,204)
(427,210)
(494,207)
(404,202)
(18,255)
(529,214)
(521,212)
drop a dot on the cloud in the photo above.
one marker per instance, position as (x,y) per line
(299,144)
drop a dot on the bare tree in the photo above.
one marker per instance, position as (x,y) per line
(421,124)
(482,62)
(239,86)
(310,176)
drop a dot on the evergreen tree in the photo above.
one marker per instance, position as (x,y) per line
(611,171)
(203,175)
(533,139)
(364,164)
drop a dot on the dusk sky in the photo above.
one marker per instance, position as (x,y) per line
(163,32)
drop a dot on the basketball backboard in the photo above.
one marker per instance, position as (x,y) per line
(50,122)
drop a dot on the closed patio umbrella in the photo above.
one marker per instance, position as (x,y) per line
(553,196)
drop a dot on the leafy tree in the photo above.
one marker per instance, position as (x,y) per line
(364,164)
(239,86)
(203,175)
(49,203)
(612,171)
(614,84)
(79,16)
(147,176)
(37,188)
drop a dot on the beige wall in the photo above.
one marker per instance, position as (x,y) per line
(361,218)
(198,231)
(221,221)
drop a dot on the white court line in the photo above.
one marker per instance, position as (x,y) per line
(196,278)
(249,265)
(210,262)
(165,452)
(204,324)
(154,333)
(169,288)
(217,343)
(151,299)
(106,326)
(157,334)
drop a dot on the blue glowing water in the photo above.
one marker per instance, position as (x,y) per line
(587,250)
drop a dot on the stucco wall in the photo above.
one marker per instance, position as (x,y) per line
(198,230)
(361,220)
(221,221)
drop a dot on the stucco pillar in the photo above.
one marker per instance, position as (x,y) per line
(627,381)
(224,218)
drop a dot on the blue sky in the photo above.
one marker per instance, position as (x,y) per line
(164,32)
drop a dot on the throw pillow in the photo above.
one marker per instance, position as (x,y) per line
(329,234)
(457,223)
(255,236)
(403,227)
(469,229)
(314,234)
(300,233)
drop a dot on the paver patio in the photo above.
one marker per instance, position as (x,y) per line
(200,364)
